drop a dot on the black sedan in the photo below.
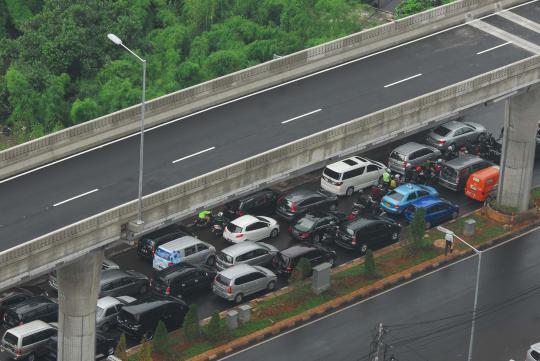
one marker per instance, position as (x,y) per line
(302,201)
(314,225)
(105,346)
(365,233)
(183,279)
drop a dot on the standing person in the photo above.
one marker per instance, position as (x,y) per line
(386,178)
(449,243)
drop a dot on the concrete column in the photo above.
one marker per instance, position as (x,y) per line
(78,289)
(519,143)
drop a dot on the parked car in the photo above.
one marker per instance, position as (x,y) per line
(117,282)
(438,210)
(301,201)
(34,308)
(251,228)
(365,233)
(237,282)
(455,133)
(481,183)
(107,309)
(533,353)
(397,200)
(11,297)
(315,254)
(412,154)
(261,202)
(106,265)
(182,279)
(350,175)
(141,317)
(27,341)
(252,253)
(147,245)
(455,172)
(185,249)
(105,346)
(313,225)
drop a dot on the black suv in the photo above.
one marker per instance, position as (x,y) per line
(11,297)
(313,225)
(368,233)
(259,203)
(147,245)
(141,317)
(105,346)
(315,254)
(301,201)
(35,308)
(115,282)
(182,279)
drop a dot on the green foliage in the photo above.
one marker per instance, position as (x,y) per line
(417,229)
(215,329)
(162,342)
(19,12)
(83,110)
(301,271)
(146,350)
(191,327)
(410,7)
(120,350)
(369,264)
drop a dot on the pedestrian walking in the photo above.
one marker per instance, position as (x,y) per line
(449,239)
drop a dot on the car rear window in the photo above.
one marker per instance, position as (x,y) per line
(163,254)
(233,228)
(331,174)
(442,131)
(395,196)
(304,224)
(10,338)
(397,156)
(224,257)
(448,173)
(223,280)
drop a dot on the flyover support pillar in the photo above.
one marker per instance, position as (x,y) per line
(78,290)
(519,143)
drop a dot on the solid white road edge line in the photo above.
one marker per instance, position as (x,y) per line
(403,80)
(300,116)
(495,47)
(73,198)
(379,294)
(193,155)
(256,93)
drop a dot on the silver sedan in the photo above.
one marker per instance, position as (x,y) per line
(455,133)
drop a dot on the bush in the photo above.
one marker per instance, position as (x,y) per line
(214,331)
(120,350)
(192,329)
(417,229)
(146,351)
(301,271)
(369,265)
(162,342)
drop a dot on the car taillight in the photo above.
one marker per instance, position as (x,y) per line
(229,290)
(289,269)
(294,207)
(290,229)
(240,235)
(396,206)
(305,235)
(153,251)
(168,291)
(170,264)
(442,141)
(353,241)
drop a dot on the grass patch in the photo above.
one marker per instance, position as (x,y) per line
(196,349)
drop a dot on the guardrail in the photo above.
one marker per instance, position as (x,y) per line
(44,253)
(124,122)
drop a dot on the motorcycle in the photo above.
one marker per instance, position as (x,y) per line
(219,222)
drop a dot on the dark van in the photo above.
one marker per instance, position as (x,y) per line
(34,308)
(455,172)
(259,203)
(149,243)
(141,317)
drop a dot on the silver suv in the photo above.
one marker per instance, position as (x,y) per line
(253,253)
(412,154)
(234,283)
(27,341)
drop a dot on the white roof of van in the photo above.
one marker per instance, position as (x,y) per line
(346,164)
(182,242)
(29,327)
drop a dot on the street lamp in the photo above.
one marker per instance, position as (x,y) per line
(115,39)
(479,253)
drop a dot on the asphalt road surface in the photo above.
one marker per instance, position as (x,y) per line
(63,193)
(430,318)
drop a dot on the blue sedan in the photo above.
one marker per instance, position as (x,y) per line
(438,210)
(397,200)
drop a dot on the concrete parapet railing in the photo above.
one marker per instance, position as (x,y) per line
(176,202)
(184,102)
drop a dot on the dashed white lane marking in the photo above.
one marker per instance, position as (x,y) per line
(193,155)
(518,19)
(495,47)
(403,80)
(504,35)
(73,198)
(301,116)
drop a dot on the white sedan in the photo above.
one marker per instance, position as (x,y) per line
(251,228)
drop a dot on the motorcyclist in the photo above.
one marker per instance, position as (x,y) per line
(205,216)
(386,176)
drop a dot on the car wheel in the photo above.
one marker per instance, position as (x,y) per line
(31,357)
(428,225)
(395,236)
(455,214)
(363,248)
(211,261)
(274,233)
(105,327)
(271,285)
(143,290)
(316,238)
(110,351)
(238,298)
(349,192)
(333,207)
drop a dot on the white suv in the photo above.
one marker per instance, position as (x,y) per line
(534,353)
(350,175)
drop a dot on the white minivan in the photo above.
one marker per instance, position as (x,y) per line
(184,249)
(350,175)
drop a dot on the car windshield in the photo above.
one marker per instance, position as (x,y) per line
(10,338)
(224,257)
(397,156)
(223,280)
(442,131)
(163,254)
(395,196)
(99,312)
(331,174)
(233,228)
(262,219)
(304,224)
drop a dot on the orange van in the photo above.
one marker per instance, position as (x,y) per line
(481,183)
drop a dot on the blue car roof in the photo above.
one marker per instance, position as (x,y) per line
(407,188)
(428,201)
